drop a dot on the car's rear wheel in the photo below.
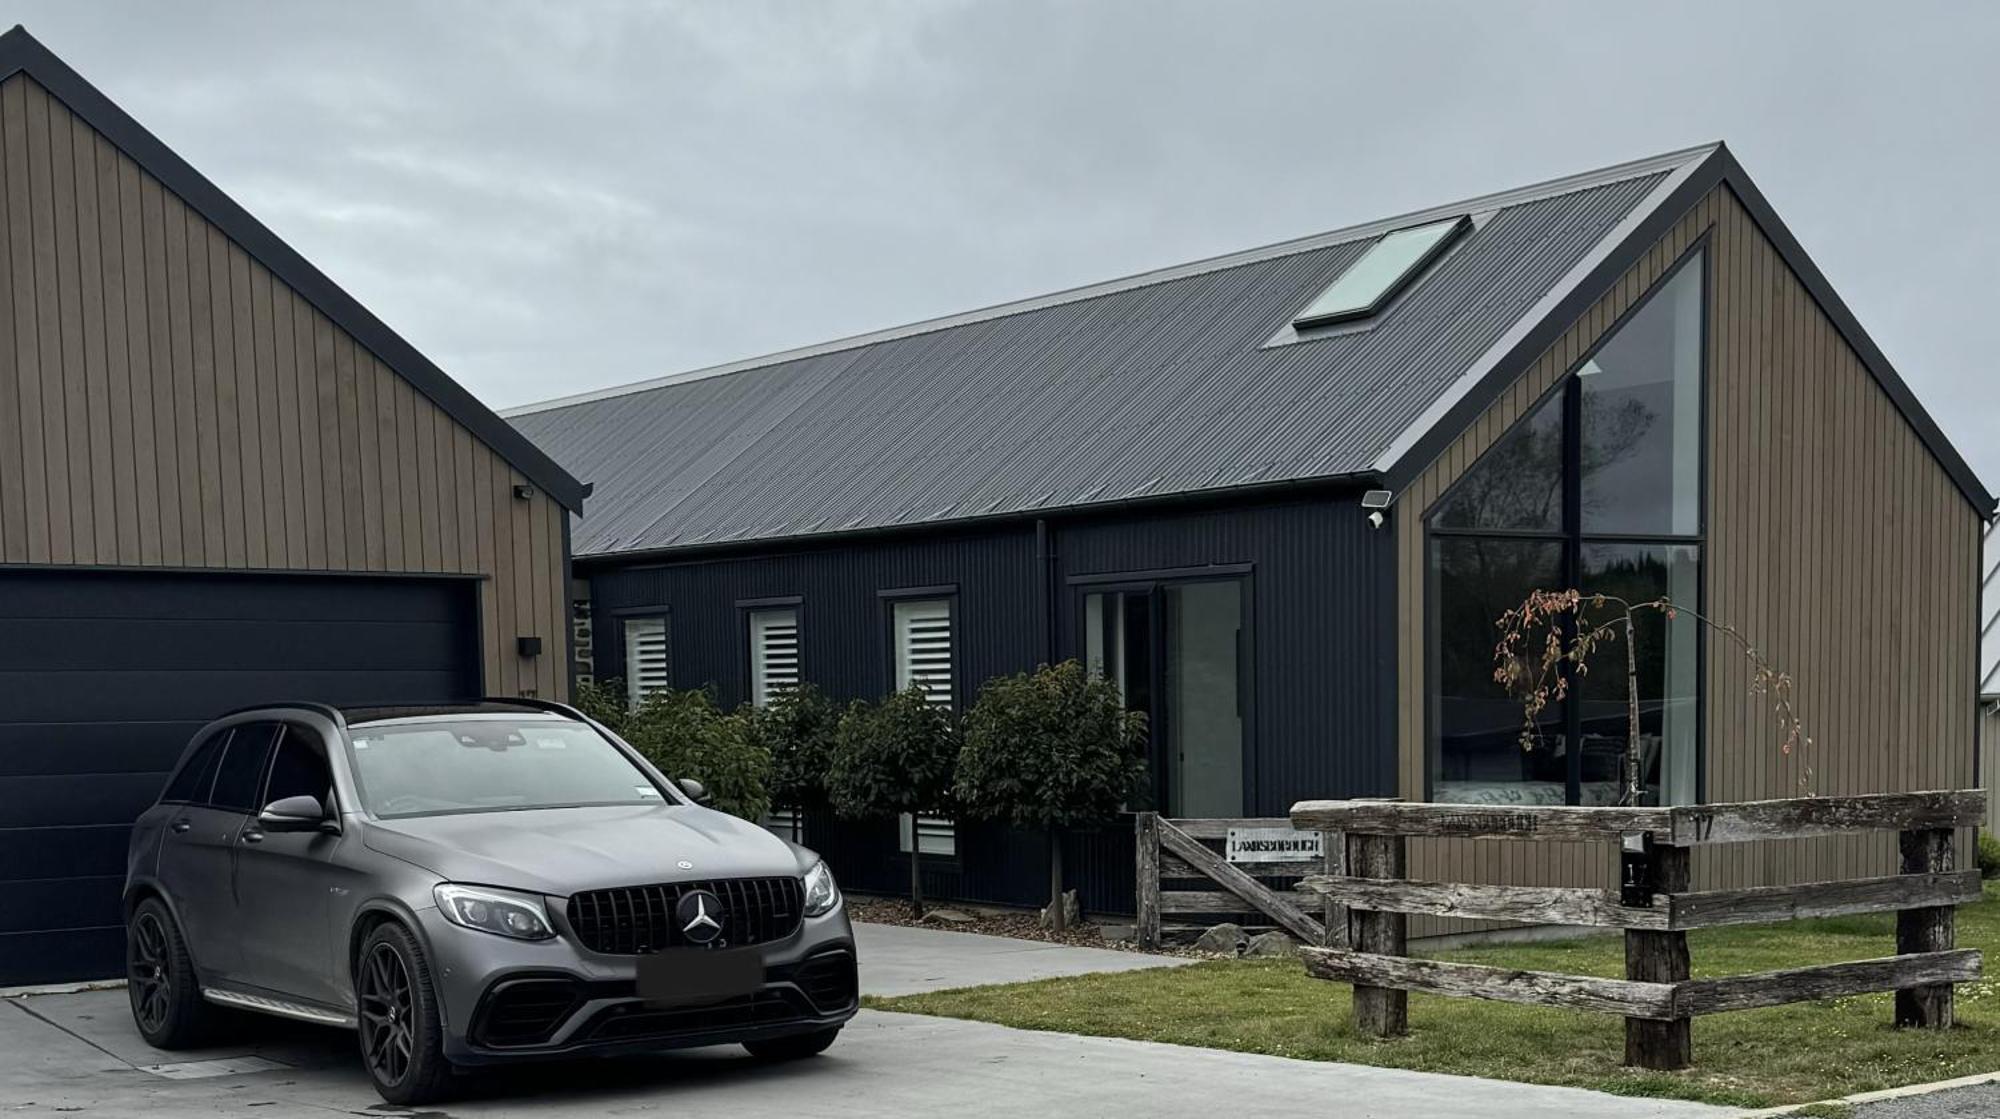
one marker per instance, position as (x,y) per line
(402,1040)
(160,980)
(793,1048)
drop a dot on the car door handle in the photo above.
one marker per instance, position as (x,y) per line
(253,837)
(180,826)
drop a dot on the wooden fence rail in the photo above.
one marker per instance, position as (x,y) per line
(1365,898)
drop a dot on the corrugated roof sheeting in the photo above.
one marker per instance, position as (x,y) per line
(1167,387)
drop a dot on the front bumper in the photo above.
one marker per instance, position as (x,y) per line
(510,1000)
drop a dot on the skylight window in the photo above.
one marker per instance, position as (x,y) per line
(1384,270)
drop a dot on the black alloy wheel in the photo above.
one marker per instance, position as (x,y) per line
(150,971)
(160,980)
(402,1038)
(387,1010)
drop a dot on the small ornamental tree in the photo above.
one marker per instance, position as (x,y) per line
(1545,648)
(1049,751)
(684,734)
(891,758)
(797,728)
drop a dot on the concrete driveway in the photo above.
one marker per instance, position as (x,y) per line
(78,1053)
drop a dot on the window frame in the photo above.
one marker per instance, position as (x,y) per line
(946,593)
(665,616)
(746,611)
(1569,390)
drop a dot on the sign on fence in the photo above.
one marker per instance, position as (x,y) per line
(1263,845)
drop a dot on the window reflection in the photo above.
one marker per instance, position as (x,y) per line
(1480,755)
(1641,457)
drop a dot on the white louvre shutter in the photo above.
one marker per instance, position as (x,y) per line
(774,653)
(937,834)
(647,668)
(924,647)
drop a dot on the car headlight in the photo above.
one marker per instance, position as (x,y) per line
(821,894)
(502,912)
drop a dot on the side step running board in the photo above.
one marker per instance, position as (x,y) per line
(267,1005)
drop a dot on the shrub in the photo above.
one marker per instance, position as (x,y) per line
(797,728)
(1989,855)
(1049,751)
(893,757)
(684,734)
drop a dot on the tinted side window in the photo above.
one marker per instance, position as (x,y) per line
(299,768)
(191,782)
(242,768)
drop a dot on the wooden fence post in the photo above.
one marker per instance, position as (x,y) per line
(1660,957)
(1332,914)
(1147,930)
(1379,1011)
(1926,929)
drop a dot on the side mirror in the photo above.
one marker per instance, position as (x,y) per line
(300,813)
(695,790)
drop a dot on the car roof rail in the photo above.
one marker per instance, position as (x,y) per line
(326,709)
(534,704)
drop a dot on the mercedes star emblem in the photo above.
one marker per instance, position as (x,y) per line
(699,913)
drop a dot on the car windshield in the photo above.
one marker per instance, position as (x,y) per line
(492,763)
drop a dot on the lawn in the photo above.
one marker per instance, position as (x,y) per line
(1752,1058)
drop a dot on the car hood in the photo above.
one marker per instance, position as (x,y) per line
(560,851)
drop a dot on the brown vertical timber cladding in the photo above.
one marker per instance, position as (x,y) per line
(1927,929)
(1806,453)
(166,401)
(1379,1011)
(1660,957)
(1148,925)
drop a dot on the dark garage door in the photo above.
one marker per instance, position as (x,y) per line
(105,676)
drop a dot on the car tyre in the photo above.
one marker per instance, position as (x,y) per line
(793,1048)
(160,981)
(402,1038)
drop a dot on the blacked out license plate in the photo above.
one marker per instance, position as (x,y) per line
(684,976)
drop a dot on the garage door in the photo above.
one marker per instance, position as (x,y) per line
(105,676)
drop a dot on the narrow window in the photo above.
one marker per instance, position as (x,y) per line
(923,637)
(774,652)
(1388,267)
(648,667)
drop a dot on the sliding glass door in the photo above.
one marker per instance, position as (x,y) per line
(1175,650)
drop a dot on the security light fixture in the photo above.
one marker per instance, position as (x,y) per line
(528,646)
(1377,499)
(524,492)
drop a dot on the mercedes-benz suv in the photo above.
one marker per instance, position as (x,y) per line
(467,884)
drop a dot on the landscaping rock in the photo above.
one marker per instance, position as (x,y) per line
(1272,945)
(1225,939)
(950,916)
(1072,911)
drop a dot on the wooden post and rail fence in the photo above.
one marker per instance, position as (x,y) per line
(1357,929)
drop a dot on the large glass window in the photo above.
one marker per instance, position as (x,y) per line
(1598,488)
(492,763)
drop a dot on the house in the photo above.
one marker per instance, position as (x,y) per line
(222,482)
(1989,667)
(1281,495)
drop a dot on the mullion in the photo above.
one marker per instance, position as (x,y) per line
(1573,576)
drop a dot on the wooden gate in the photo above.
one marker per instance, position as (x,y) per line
(1210,884)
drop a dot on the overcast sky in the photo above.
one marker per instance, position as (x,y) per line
(547,198)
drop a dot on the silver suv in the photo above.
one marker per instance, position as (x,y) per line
(468,884)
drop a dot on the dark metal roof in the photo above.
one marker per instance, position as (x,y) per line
(22,53)
(1180,382)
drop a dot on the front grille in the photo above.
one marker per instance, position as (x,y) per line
(629,920)
(829,980)
(525,1011)
(630,1021)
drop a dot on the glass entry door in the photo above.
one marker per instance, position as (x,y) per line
(1175,650)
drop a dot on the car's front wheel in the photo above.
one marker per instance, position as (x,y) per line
(160,981)
(793,1048)
(402,1040)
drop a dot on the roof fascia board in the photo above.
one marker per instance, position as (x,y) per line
(1426,438)
(22,53)
(1552,188)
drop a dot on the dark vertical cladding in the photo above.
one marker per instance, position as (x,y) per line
(1319,622)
